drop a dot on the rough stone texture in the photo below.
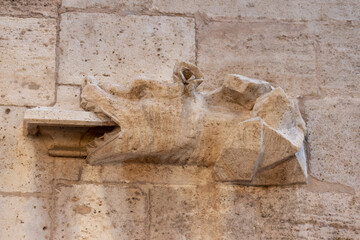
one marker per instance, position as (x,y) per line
(334,154)
(233,212)
(247,90)
(338,58)
(171,123)
(68,97)
(24,218)
(257,38)
(68,168)
(90,211)
(118,49)
(287,213)
(280,53)
(46,8)
(27,61)
(123,5)
(24,164)
(180,213)
(269,9)
(153,173)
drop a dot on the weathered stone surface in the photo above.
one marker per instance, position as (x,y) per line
(123,5)
(287,213)
(289,170)
(118,49)
(334,139)
(259,9)
(90,211)
(337,57)
(277,147)
(245,90)
(242,153)
(47,8)
(176,213)
(174,124)
(27,61)
(280,53)
(68,168)
(24,164)
(284,125)
(140,173)
(24,218)
(68,97)
(57,116)
(234,212)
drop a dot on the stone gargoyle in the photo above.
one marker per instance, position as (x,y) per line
(248,131)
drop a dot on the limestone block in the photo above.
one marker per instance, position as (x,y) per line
(122,5)
(287,213)
(295,10)
(334,153)
(338,58)
(90,211)
(24,218)
(175,213)
(172,123)
(47,8)
(68,168)
(27,61)
(24,164)
(300,10)
(280,53)
(68,97)
(236,215)
(118,49)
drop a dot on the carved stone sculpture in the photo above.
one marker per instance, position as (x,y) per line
(248,131)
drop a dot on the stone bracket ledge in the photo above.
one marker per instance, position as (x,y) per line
(70,130)
(55,117)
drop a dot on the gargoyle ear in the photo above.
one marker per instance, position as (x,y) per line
(187,73)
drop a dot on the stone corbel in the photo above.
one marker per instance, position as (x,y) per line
(248,131)
(70,131)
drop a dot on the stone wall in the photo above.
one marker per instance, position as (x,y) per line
(309,48)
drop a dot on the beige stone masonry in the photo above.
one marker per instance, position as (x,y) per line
(121,5)
(280,53)
(231,167)
(68,97)
(286,213)
(338,59)
(43,8)
(334,154)
(118,49)
(25,218)
(27,61)
(89,211)
(295,10)
(24,163)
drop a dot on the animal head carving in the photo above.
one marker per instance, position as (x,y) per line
(248,131)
